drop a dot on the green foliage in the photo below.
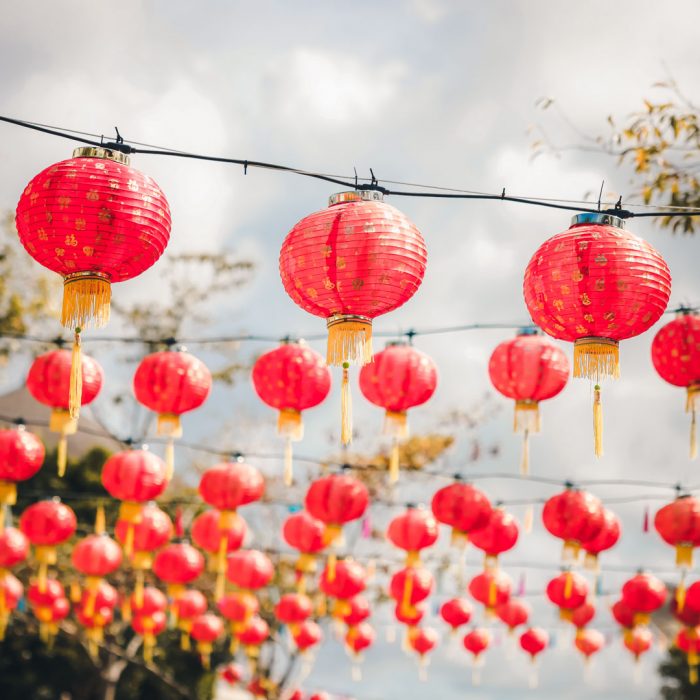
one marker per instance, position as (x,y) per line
(674,671)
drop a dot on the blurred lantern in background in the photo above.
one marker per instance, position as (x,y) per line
(399,378)
(345,581)
(11,592)
(513,613)
(491,588)
(292,378)
(252,636)
(206,629)
(307,635)
(94,613)
(534,641)
(606,539)
(292,609)
(190,604)
(323,273)
(596,284)
(50,606)
(582,616)
(413,530)
(170,383)
(643,594)
(528,368)
(568,591)
(14,547)
(624,616)
(411,586)
(499,535)
(423,641)
(238,608)
(456,612)
(639,642)
(304,533)
(249,569)
(176,565)
(476,642)
(149,627)
(675,353)
(688,641)
(357,639)
(231,673)
(21,457)
(463,507)
(589,642)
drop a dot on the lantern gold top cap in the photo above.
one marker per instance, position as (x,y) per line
(598,217)
(100,152)
(355,196)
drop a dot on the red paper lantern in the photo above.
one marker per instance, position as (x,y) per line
(643,593)
(106,598)
(675,353)
(149,627)
(589,642)
(357,610)
(411,586)
(206,629)
(594,285)
(304,533)
(688,641)
(188,606)
(410,615)
(49,605)
(567,591)
(230,485)
(499,535)
(347,579)
(575,517)
(623,614)
(423,640)
(95,556)
(21,457)
(151,602)
(686,615)
(528,369)
(463,507)
(94,612)
(46,525)
(249,569)
(291,378)
(399,378)
(134,477)
(238,608)
(231,673)
(359,638)
(413,530)
(534,641)
(14,547)
(639,641)
(292,609)
(477,641)
(11,591)
(513,613)
(583,615)
(606,539)
(176,565)
(491,589)
(253,635)
(307,634)
(355,260)
(456,612)
(678,523)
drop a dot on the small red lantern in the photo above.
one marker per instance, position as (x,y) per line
(94,613)
(675,353)
(292,609)
(11,591)
(50,382)
(606,539)
(238,608)
(149,627)
(463,507)
(456,612)
(411,586)
(423,640)
(176,565)
(96,556)
(152,601)
(190,604)
(307,634)
(678,523)
(46,525)
(357,611)
(575,517)
(253,635)
(476,642)
(534,641)
(206,629)
(359,638)
(346,580)
(583,615)
(291,378)
(594,285)
(410,616)
(49,605)
(231,673)
(413,530)
(499,535)
(305,533)
(589,642)
(249,569)
(14,547)
(134,477)
(623,614)
(643,593)
(399,378)
(567,591)
(639,642)
(21,456)
(491,589)
(513,613)
(170,383)
(528,368)
(688,641)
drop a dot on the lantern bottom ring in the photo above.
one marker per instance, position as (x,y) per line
(596,358)
(349,339)
(86,299)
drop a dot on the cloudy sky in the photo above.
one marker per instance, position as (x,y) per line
(426,91)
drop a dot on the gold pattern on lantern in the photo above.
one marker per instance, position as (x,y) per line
(92,195)
(328,284)
(133,185)
(71,240)
(43,236)
(589,318)
(601,260)
(60,252)
(327,250)
(576,276)
(357,283)
(585,299)
(63,202)
(313,294)
(558,304)
(556,275)
(600,285)
(80,224)
(565,289)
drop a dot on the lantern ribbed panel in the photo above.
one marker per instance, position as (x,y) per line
(644,593)
(134,475)
(413,530)
(152,531)
(191,603)
(499,535)
(337,499)
(178,563)
(582,615)
(96,555)
(293,608)
(678,522)
(598,281)
(568,591)
(237,607)
(229,485)
(623,614)
(207,628)
(534,640)
(21,455)
(48,523)
(172,382)
(675,351)
(461,506)
(48,380)
(607,537)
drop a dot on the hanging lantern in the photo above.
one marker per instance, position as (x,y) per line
(689,614)
(413,530)
(307,634)
(231,673)
(567,591)
(423,641)
(14,547)
(575,517)
(238,608)
(291,378)
(178,564)
(411,586)
(606,539)
(513,613)
(346,580)
(675,353)
(357,639)
(639,642)
(190,604)
(50,382)
(94,613)
(96,556)
(357,610)
(218,542)
(399,378)
(534,641)
(46,525)
(582,616)
(292,609)
(410,616)
(95,221)
(11,592)
(304,533)
(528,369)
(491,589)
(206,629)
(678,523)
(624,616)
(499,535)
(463,507)
(149,627)
(476,642)
(589,642)
(152,601)
(688,641)
(21,457)
(594,285)
(253,636)
(643,594)
(249,569)
(456,612)
(50,606)
(133,477)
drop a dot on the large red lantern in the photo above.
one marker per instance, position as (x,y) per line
(170,383)
(292,609)
(95,221)
(49,382)
(134,477)
(513,613)
(575,517)
(11,592)
(14,547)
(176,565)
(206,629)
(678,523)
(499,535)
(491,589)
(675,353)
(688,641)
(46,525)
(305,533)
(639,641)
(567,591)
(96,556)
(463,507)
(528,369)
(291,378)
(307,634)
(596,284)
(589,642)
(411,586)
(249,569)
(21,456)
(413,530)
(643,593)
(456,612)
(604,540)
(399,378)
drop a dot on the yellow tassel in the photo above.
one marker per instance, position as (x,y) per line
(4,620)
(684,555)
(597,421)
(75,393)
(185,644)
(169,459)
(100,520)
(492,594)
(396,424)
(526,417)
(138,589)
(221,568)
(322,606)
(290,424)
(691,407)
(693,675)
(596,358)
(129,540)
(568,585)
(349,340)
(149,643)
(8,493)
(86,298)
(288,462)
(169,424)
(75,592)
(394,463)
(680,596)
(525,456)
(528,519)
(591,562)
(233,644)
(62,455)
(407,595)
(345,408)
(330,565)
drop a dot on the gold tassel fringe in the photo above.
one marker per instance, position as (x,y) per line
(290,424)
(396,424)
(693,392)
(568,585)
(684,555)
(526,417)
(169,424)
(75,393)
(86,299)
(596,358)
(169,459)
(407,595)
(62,455)
(345,408)
(693,675)
(349,340)
(525,455)
(597,421)
(288,462)
(100,520)
(8,493)
(394,463)
(528,519)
